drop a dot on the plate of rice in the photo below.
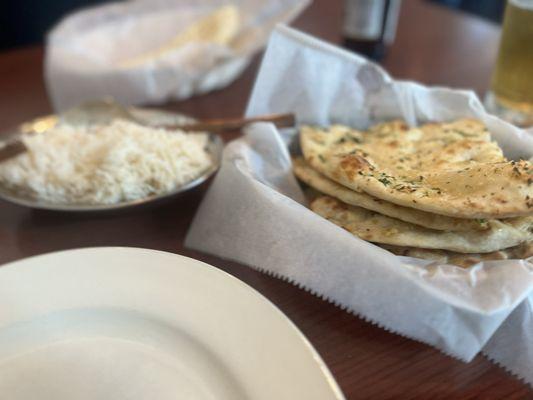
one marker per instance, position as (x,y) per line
(116,165)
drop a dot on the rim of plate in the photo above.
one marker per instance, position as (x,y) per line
(23,264)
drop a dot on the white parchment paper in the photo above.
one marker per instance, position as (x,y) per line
(85,50)
(255,212)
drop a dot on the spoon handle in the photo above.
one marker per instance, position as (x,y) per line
(224,125)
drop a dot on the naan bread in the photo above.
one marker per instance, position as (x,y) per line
(449,169)
(218,27)
(522,251)
(375,227)
(305,173)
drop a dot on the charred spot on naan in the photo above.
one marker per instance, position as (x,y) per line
(353,164)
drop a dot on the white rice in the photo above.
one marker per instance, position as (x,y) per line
(107,164)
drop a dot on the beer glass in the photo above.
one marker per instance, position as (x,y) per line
(511,94)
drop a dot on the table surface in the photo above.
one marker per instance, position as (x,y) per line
(435,46)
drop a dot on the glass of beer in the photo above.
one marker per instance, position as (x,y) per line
(511,94)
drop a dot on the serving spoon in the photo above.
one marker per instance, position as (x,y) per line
(102,112)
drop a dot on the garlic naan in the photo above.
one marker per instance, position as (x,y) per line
(522,251)
(448,169)
(308,175)
(375,227)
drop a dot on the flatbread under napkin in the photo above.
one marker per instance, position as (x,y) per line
(375,227)
(218,27)
(521,251)
(449,169)
(307,174)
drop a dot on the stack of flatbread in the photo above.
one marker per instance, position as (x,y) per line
(440,191)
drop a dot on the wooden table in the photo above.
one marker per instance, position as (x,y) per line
(435,46)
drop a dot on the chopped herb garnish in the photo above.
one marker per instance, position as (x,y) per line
(384,180)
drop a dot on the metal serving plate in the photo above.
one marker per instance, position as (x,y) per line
(147,116)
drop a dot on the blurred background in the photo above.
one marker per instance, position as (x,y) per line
(25,22)
(452,43)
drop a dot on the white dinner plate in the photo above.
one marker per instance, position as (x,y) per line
(125,323)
